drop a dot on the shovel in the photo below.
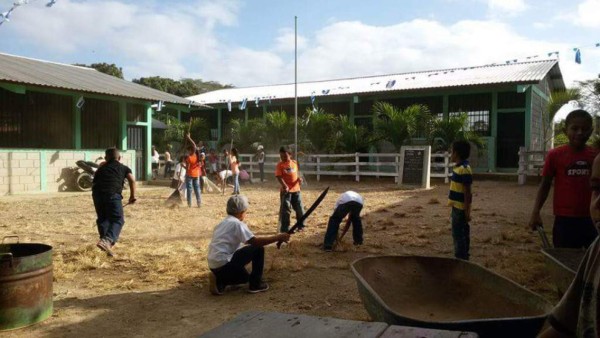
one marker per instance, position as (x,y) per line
(545,242)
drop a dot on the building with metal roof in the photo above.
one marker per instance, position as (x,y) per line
(70,112)
(505,102)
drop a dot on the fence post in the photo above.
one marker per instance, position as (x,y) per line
(251,167)
(446,166)
(522,165)
(318,168)
(356,159)
(377,165)
(397,169)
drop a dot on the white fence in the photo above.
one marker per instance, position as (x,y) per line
(531,162)
(357,165)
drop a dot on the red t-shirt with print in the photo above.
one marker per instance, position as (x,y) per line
(571,170)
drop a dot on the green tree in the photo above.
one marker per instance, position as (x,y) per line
(106,68)
(557,100)
(590,94)
(455,128)
(247,136)
(318,128)
(395,125)
(280,129)
(351,138)
(425,123)
(184,87)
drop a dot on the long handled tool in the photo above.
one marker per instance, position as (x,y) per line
(338,240)
(545,242)
(224,184)
(306,214)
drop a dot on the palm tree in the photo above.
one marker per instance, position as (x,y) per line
(557,100)
(279,129)
(351,138)
(455,128)
(318,127)
(395,125)
(247,135)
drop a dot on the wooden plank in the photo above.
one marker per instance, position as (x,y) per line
(417,332)
(275,324)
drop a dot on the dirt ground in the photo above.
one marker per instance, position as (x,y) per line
(157,285)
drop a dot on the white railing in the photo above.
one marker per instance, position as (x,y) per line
(357,165)
(531,162)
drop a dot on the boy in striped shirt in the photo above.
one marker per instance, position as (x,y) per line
(459,198)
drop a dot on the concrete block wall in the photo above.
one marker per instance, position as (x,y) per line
(25,171)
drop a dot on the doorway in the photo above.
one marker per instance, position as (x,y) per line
(511,136)
(136,137)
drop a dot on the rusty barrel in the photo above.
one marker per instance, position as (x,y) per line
(25,284)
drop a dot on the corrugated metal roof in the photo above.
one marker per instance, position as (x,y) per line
(520,73)
(17,69)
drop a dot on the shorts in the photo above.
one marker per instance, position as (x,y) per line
(573,232)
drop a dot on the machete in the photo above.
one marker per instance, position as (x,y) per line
(306,214)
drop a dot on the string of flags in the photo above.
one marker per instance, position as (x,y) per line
(576,50)
(6,16)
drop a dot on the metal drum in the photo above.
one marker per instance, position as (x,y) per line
(25,284)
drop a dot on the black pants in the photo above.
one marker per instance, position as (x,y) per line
(235,272)
(353,209)
(261,168)
(573,232)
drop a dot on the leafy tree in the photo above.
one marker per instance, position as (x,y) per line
(455,128)
(280,129)
(590,94)
(557,100)
(106,68)
(248,135)
(425,123)
(395,125)
(184,87)
(318,128)
(351,138)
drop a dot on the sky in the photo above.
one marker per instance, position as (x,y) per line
(250,43)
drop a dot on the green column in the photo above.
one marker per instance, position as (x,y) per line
(123,124)
(494,133)
(179,115)
(528,102)
(219,124)
(445,106)
(76,124)
(351,115)
(148,141)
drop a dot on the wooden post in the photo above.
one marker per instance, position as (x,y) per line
(251,167)
(522,165)
(398,172)
(318,168)
(356,160)
(446,165)
(377,166)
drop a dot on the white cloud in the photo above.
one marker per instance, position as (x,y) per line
(506,7)
(588,14)
(285,41)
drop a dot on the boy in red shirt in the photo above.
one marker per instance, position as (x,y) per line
(571,166)
(287,176)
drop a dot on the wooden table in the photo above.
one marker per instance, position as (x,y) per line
(276,324)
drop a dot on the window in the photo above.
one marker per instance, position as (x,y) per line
(508,100)
(477,107)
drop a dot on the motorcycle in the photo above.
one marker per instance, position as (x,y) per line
(85,176)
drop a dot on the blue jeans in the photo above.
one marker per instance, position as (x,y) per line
(109,210)
(195,182)
(461,232)
(261,168)
(288,201)
(352,208)
(236,183)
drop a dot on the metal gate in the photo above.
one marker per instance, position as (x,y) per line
(136,137)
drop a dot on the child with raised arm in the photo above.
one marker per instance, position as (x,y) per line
(460,198)
(570,168)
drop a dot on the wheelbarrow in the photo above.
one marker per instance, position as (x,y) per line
(447,294)
(561,263)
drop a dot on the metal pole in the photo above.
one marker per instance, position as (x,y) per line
(296,87)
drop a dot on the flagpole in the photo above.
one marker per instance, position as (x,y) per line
(296,87)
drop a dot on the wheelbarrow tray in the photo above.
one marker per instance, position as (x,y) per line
(562,264)
(447,294)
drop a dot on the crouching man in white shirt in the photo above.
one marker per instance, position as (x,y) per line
(349,203)
(228,255)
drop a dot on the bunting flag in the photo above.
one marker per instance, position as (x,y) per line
(243,104)
(391,84)
(5,16)
(229,105)
(160,105)
(577,55)
(80,102)
(256,101)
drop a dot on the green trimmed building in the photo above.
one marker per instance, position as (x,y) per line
(505,103)
(53,114)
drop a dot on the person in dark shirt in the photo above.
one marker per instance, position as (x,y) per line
(106,193)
